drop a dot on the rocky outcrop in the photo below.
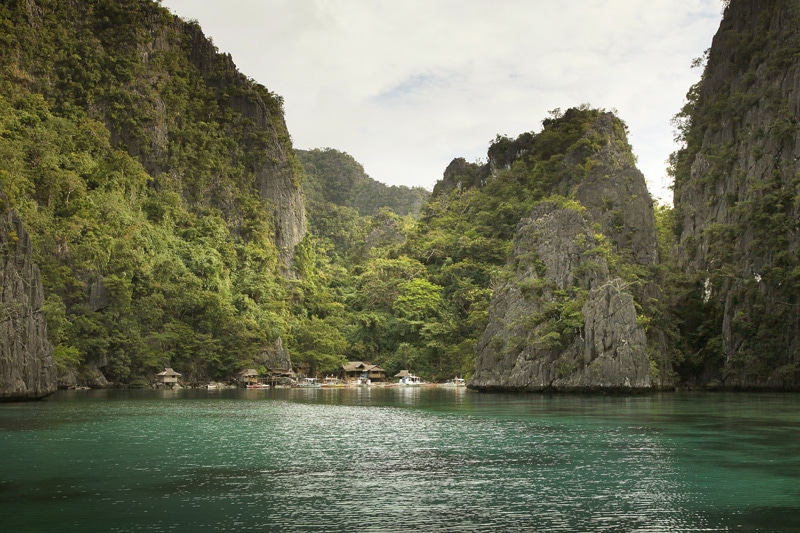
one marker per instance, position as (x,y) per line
(614,191)
(736,186)
(570,314)
(27,370)
(384,232)
(276,357)
(278,184)
(561,321)
(460,174)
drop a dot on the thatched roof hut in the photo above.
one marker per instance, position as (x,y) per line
(359,369)
(168,376)
(249,376)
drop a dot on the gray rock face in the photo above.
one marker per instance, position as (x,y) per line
(276,357)
(385,232)
(615,194)
(27,370)
(563,319)
(736,193)
(560,321)
(276,182)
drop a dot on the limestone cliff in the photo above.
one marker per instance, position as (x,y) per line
(567,314)
(736,196)
(172,100)
(245,110)
(148,170)
(561,322)
(266,144)
(27,370)
(275,357)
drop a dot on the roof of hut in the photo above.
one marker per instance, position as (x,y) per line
(356,366)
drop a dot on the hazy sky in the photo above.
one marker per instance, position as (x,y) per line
(405,86)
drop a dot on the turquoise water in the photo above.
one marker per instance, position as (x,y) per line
(399,459)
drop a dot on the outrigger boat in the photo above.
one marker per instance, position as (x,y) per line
(331,382)
(311,383)
(410,381)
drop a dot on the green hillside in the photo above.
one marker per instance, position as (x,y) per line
(333,176)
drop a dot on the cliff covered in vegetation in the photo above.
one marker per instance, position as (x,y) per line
(737,203)
(27,370)
(158,184)
(563,314)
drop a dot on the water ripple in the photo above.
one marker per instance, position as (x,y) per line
(417,460)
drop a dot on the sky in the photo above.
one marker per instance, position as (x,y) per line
(406,86)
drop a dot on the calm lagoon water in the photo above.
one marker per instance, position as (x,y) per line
(425,459)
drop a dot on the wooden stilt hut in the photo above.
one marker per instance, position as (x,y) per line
(248,377)
(168,378)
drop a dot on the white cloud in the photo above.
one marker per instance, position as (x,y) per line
(406,86)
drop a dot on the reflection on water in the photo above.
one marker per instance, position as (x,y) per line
(397,459)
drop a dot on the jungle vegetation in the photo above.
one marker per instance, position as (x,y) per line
(124,150)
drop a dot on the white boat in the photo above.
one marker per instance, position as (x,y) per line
(311,383)
(455,382)
(257,386)
(410,381)
(331,382)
